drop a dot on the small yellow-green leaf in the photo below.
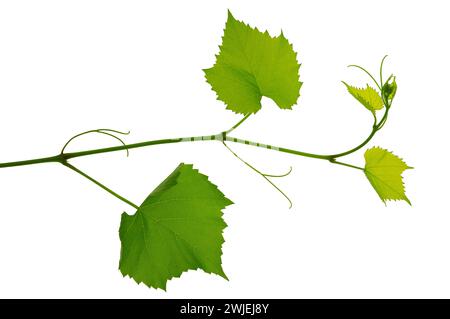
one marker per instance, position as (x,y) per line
(384,172)
(368,97)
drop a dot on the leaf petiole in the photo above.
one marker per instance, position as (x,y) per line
(238,123)
(123,199)
(345,164)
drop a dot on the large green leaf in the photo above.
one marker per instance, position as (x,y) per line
(177,228)
(252,64)
(384,171)
(368,97)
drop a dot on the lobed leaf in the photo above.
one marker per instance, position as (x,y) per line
(383,170)
(177,228)
(252,64)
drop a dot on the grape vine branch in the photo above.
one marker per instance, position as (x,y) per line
(222,137)
(184,213)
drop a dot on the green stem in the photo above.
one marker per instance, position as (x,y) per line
(311,155)
(238,123)
(122,147)
(345,164)
(367,140)
(386,112)
(55,159)
(123,199)
(61,158)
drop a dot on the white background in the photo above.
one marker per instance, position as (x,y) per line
(70,66)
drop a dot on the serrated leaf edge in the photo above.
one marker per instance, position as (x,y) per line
(406,199)
(360,97)
(227,107)
(228,202)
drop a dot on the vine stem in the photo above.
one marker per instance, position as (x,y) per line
(223,137)
(62,158)
(123,199)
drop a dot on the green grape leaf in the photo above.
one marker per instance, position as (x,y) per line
(177,228)
(252,64)
(368,97)
(383,170)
